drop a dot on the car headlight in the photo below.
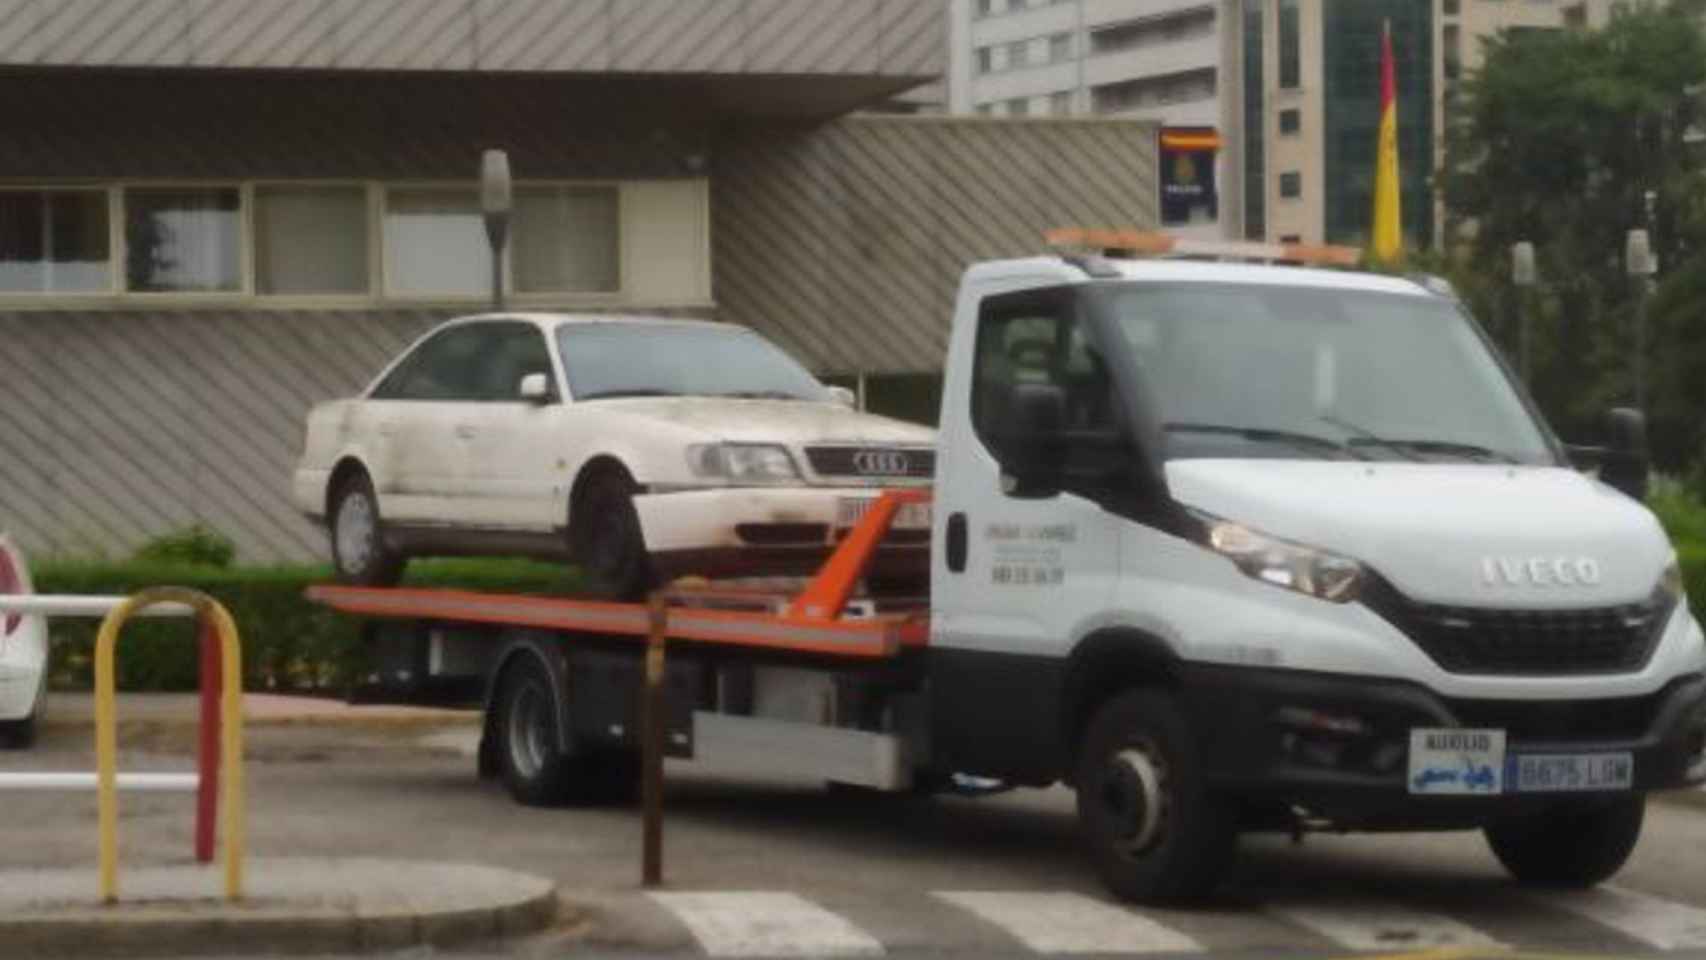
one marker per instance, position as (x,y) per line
(1670,582)
(1309,570)
(743,462)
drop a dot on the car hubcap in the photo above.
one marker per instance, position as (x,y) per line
(1134,799)
(529,732)
(355,532)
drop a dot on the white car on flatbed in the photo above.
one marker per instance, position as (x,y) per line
(23,656)
(640,448)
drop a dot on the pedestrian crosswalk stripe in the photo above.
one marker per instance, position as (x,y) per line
(1651,920)
(764,924)
(1070,923)
(1381,926)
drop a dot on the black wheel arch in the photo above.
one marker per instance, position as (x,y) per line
(1103,665)
(597,466)
(345,470)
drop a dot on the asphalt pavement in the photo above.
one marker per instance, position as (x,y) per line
(758,868)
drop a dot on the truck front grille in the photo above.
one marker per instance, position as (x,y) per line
(1505,642)
(869,463)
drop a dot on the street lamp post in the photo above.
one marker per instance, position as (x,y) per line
(1522,277)
(1638,260)
(495,205)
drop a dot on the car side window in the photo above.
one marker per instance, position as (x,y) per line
(446,367)
(1037,338)
(514,350)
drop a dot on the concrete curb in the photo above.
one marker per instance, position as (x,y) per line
(269,925)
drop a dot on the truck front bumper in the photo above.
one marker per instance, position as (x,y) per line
(1338,746)
(769,530)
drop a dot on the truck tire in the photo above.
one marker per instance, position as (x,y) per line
(1154,830)
(359,551)
(1572,847)
(534,767)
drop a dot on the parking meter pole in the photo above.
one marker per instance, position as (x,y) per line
(207,749)
(651,761)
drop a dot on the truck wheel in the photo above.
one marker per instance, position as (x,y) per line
(605,536)
(1570,847)
(1155,831)
(536,770)
(359,551)
(18,734)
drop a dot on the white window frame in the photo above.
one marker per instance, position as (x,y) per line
(117,294)
(245,244)
(115,248)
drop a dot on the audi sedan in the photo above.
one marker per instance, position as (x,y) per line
(641,449)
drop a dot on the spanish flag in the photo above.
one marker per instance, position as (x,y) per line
(1388,230)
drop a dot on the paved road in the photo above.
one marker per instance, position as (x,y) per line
(788,869)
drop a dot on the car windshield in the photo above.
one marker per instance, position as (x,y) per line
(650,360)
(1260,370)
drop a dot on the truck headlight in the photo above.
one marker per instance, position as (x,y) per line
(1670,582)
(743,462)
(1309,570)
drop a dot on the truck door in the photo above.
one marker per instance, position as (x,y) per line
(1018,574)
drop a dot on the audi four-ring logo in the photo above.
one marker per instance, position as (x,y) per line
(880,462)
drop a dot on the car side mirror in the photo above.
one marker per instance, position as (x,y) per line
(1033,443)
(1625,464)
(535,388)
(844,397)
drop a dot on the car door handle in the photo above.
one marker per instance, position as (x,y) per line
(957,543)
(466,431)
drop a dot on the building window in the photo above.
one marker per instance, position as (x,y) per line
(1018,54)
(183,239)
(435,244)
(1018,107)
(54,241)
(985,109)
(1255,114)
(565,240)
(1290,121)
(1059,47)
(984,8)
(984,64)
(1450,7)
(1060,102)
(1187,86)
(311,239)
(1452,55)
(1172,27)
(1290,43)
(1291,184)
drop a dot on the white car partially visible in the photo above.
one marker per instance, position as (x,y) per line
(639,448)
(23,656)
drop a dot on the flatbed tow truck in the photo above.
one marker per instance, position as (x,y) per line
(1223,546)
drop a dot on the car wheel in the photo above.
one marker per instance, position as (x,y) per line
(1569,847)
(359,551)
(605,535)
(1154,829)
(18,734)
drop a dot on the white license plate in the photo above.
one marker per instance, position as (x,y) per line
(1568,772)
(850,510)
(1451,761)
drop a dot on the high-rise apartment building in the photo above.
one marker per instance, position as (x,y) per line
(1150,59)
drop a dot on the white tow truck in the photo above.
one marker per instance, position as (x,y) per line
(1224,546)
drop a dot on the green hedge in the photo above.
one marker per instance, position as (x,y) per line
(289,644)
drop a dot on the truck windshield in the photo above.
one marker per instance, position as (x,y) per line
(606,360)
(1258,370)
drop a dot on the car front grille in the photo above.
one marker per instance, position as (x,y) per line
(869,463)
(1511,642)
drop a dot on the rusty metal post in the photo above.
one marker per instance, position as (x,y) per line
(653,722)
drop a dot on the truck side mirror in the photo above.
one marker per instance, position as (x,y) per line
(1033,448)
(1625,465)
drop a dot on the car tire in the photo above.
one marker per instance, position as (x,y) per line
(534,766)
(1570,847)
(18,734)
(605,535)
(1154,829)
(359,551)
